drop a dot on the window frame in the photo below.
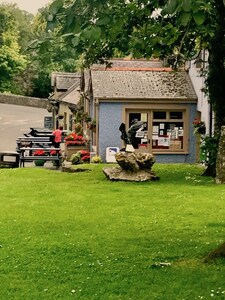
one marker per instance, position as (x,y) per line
(161,107)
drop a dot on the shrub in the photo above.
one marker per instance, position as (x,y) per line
(96,159)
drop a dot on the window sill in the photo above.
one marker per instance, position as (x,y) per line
(171,152)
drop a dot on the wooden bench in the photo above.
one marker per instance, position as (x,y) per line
(31,141)
(27,155)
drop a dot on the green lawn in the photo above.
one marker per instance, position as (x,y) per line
(80,236)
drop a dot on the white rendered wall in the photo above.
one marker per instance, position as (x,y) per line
(203,105)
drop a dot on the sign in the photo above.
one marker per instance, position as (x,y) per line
(110,154)
(48,122)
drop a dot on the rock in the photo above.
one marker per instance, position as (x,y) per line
(132,167)
(127,161)
(117,173)
(135,161)
(73,170)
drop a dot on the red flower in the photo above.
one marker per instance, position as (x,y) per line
(54,153)
(39,153)
(74,139)
(78,143)
(197,122)
(84,152)
(85,158)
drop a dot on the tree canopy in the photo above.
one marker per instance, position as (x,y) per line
(11,60)
(25,64)
(172,29)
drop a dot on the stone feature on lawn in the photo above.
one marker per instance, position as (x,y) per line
(132,167)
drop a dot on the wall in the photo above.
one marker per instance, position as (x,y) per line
(66,113)
(198,82)
(25,101)
(110,118)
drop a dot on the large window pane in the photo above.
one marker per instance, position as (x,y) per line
(167,135)
(176,115)
(159,115)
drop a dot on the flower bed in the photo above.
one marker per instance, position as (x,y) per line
(73,139)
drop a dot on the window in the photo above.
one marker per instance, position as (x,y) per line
(168,132)
(158,130)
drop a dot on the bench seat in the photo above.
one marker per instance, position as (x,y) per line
(26,158)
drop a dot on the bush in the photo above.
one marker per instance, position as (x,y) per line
(80,157)
(76,159)
(96,159)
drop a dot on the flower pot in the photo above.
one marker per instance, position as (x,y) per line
(39,162)
(70,150)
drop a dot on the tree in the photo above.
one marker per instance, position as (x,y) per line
(23,24)
(11,61)
(99,28)
(47,56)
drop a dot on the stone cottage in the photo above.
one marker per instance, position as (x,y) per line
(66,94)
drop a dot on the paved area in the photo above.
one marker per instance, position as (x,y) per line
(16,120)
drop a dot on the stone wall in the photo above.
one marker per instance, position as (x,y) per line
(25,101)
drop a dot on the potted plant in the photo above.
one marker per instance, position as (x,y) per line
(80,157)
(96,159)
(75,139)
(74,143)
(92,125)
(41,161)
(199,127)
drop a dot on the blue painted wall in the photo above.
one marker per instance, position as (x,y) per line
(110,118)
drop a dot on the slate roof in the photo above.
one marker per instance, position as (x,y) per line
(131,64)
(152,84)
(72,95)
(63,81)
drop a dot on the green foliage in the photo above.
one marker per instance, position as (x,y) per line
(81,236)
(96,159)
(107,27)
(11,60)
(76,159)
(208,155)
(24,24)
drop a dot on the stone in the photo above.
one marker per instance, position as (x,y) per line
(132,167)
(73,170)
(118,174)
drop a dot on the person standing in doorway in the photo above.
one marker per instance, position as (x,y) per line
(57,137)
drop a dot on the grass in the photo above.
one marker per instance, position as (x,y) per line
(80,236)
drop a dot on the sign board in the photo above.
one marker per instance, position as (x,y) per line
(110,154)
(48,122)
